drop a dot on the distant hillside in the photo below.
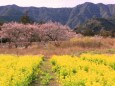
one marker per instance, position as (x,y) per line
(96,26)
(99,23)
(69,16)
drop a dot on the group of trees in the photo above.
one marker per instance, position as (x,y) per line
(19,34)
(106,33)
(26,31)
(97,26)
(84,31)
(91,32)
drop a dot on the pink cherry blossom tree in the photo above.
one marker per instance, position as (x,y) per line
(20,34)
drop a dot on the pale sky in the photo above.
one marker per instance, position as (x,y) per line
(52,3)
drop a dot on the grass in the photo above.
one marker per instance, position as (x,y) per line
(74,46)
(46,76)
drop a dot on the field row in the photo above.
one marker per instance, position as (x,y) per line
(18,71)
(107,60)
(85,70)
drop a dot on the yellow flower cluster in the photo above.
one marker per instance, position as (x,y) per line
(18,70)
(100,59)
(83,71)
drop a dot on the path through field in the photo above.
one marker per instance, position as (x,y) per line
(46,76)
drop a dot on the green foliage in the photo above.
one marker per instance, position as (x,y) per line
(88,32)
(45,78)
(25,19)
(74,71)
(97,26)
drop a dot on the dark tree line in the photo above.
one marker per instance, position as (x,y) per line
(91,32)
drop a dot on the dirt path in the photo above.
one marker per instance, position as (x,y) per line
(46,76)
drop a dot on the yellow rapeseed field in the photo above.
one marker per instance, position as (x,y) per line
(18,70)
(85,70)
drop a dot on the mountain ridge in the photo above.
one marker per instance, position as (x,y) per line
(67,16)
